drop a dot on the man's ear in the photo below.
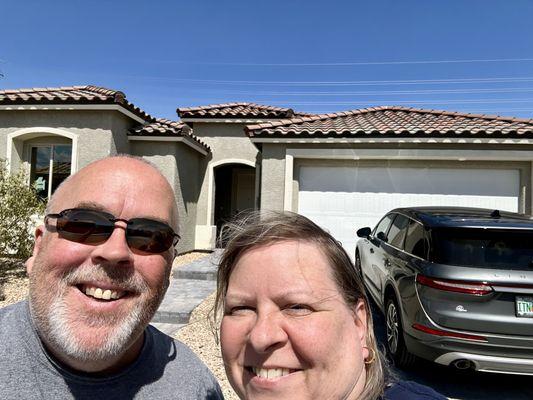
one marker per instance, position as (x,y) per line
(39,232)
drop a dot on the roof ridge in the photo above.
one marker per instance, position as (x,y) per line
(91,88)
(489,117)
(232,104)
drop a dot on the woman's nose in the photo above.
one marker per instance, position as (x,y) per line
(267,333)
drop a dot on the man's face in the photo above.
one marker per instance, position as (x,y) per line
(92,302)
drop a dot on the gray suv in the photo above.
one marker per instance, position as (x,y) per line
(455,286)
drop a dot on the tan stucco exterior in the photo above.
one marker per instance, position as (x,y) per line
(229,145)
(191,170)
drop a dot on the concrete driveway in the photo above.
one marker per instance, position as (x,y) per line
(462,385)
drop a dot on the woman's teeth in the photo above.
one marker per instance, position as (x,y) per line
(103,294)
(271,372)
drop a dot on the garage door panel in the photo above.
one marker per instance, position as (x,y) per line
(478,182)
(343,199)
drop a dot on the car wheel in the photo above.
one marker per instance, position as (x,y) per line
(395,342)
(358,266)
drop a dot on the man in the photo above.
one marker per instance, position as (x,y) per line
(99,270)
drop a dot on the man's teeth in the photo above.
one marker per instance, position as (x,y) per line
(104,294)
(271,372)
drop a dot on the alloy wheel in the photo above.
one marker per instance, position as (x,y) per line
(392,327)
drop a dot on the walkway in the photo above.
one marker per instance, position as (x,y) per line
(189,286)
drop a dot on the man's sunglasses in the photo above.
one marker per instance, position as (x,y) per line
(93,227)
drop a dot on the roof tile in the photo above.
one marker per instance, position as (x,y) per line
(236,110)
(394,121)
(70,95)
(165,127)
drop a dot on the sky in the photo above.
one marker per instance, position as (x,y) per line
(313,56)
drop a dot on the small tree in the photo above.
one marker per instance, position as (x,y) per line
(19,208)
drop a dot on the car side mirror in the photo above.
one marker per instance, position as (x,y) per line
(381,236)
(364,232)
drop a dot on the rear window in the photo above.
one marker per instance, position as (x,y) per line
(483,248)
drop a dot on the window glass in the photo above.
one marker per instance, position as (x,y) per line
(62,156)
(50,165)
(383,225)
(484,248)
(416,242)
(40,170)
(397,231)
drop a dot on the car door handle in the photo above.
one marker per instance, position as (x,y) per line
(371,250)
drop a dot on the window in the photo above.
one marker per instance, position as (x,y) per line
(383,226)
(416,241)
(484,248)
(398,230)
(50,165)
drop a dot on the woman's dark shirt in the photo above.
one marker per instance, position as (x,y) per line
(407,390)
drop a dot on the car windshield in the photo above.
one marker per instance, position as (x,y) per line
(483,248)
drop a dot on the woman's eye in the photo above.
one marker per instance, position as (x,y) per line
(239,310)
(298,309)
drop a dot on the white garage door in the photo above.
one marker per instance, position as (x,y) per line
(344,199)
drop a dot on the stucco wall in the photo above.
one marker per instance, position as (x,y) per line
(99,133)
(228,142)
(273,177)
(182,166)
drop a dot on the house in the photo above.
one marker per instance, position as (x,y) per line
(343,170)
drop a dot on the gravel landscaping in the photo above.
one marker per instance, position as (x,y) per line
(13,281)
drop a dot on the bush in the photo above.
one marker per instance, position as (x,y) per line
(19,209)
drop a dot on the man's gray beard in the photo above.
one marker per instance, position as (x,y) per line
(55,322)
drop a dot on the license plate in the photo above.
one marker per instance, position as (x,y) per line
(524,307)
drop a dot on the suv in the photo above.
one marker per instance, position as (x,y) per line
(455,286)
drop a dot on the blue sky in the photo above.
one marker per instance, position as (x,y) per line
(315,56)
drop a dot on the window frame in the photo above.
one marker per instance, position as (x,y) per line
(375,232)
(426,238)
(51,146)
(402,244)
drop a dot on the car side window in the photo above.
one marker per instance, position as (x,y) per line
(380,231)
(398,230)
(416,241)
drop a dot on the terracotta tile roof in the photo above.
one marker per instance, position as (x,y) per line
(165,127)
(235,110)
(390,121)
(69,95)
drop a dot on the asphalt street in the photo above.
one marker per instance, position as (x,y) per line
(460,384)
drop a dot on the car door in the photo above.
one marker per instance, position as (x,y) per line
(393,257)
(375,254)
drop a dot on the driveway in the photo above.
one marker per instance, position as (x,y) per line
(459,384)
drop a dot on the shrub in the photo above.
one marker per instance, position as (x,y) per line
(20,208)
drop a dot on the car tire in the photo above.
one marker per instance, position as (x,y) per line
(396,348)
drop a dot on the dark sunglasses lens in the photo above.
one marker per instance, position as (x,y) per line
(149,236)
(84,226)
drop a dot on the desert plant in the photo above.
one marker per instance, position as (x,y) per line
(20,208)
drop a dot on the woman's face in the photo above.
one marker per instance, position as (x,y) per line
(287,332)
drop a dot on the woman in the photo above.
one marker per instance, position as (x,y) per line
(296,322)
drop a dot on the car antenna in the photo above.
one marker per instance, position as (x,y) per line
(495,214)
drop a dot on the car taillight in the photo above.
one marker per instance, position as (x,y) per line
(467,287)
(439,332)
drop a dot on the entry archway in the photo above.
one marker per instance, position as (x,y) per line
(235,191)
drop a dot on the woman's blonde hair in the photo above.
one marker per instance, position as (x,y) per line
(257,229)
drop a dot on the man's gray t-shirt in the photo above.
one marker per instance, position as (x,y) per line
(165,369)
